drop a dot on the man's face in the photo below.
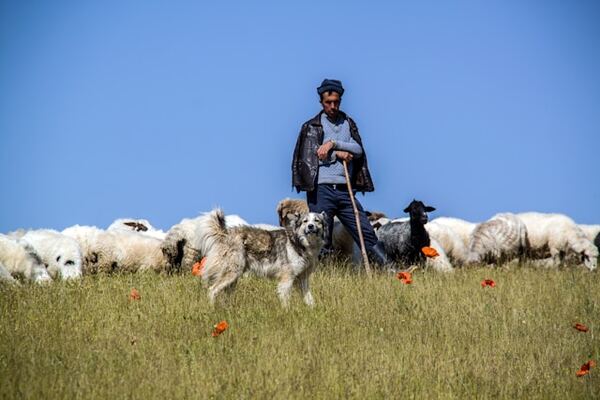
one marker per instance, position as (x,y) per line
(331,103)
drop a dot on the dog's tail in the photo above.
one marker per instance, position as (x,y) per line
(211,229)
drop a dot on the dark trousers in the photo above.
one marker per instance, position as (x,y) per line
(335,201)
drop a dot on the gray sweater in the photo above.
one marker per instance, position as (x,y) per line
(331,170)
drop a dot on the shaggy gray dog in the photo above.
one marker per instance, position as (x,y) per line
(288,255)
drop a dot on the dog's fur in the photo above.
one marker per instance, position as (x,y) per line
(289,254)
(287,208)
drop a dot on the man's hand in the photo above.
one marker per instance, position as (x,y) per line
(324,150)
(344,155)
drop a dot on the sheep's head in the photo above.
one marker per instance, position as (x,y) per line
(418,211)
(586,252)
(67,265)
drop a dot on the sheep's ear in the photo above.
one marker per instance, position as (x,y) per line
(407,209)
(429,208)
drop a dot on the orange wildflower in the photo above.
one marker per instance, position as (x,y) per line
(404,277)
(585,368)
(488,282)
(198,267)
(134,294)
(429,252)
(581,327)
(220,328)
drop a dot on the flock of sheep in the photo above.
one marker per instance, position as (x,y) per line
(130,245)
(546,240)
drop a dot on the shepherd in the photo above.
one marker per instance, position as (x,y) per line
(325,143)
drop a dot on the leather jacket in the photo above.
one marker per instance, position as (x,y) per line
(305,163)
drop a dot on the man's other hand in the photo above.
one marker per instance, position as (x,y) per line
(344,155)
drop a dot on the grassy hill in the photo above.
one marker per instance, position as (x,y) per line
(443,336)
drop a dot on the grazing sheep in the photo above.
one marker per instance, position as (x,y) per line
(404,240)
(141,226)
(449,240)
(461,227)
(19,259)
(117,250)
(182,243)
(60,253)
(290,206)
(88,238)
(502,238)
(556,238)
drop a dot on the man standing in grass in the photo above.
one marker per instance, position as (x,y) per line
(323,143)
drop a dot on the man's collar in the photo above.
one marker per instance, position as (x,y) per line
(317,119)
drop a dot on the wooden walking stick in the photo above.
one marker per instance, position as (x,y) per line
(363,251)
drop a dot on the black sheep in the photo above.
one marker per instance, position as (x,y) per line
(404,240)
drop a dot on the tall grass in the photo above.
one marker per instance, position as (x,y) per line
(444,336)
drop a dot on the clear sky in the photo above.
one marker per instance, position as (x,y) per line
(163,110)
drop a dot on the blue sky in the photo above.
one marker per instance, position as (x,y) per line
(163,110)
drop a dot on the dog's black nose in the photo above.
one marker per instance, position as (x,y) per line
(311,227)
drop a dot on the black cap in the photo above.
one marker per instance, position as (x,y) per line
(330,85)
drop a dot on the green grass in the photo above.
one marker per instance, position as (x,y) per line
(444,336)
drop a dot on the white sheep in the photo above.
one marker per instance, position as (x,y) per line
(88,238)
(461,227)
(118,250)
(501,238)
(556,238)
(448,240)
(142,226)
(19,259)
(60,253)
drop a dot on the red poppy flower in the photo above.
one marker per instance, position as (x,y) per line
(585,368)
(198,268)
(429,252)
(488,282)
(134,294)
(581,327)
(220,328)
(404,277)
